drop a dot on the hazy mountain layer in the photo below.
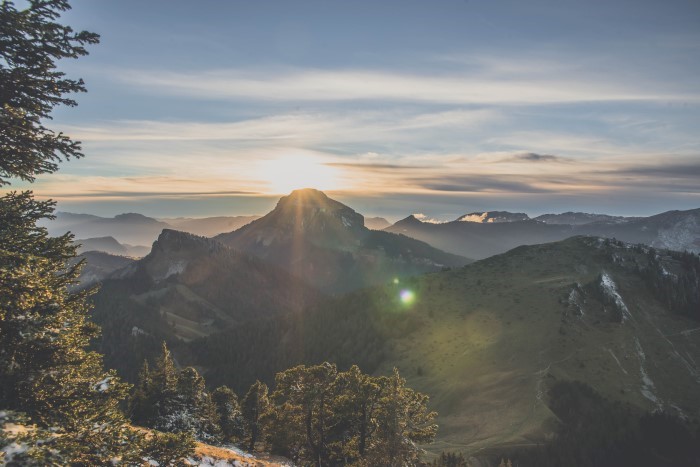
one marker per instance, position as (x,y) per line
(209,226)
(100,265)
(112,246)
(376,223)
(579,218)
(676,230)
(138,230)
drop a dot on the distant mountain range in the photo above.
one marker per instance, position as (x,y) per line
(483,234)
(135,232)
(326,243)
(376,223)
(208,226)
(112,246)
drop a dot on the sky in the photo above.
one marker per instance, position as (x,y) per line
(393,107)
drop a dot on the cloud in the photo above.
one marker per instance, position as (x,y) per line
(482,86)
(376,166)
(429,220)
(672,170)
(534,157)
(156,194)
(673,176)
(309,127)
(478,184)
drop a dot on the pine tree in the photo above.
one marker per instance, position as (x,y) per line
(31,43)
(356,404)
(194,411)
(155,394)
(308,396)
(141,404)
(46,370)
(229,416)
(165,374)
(174,401)
(404,421)
(255,406)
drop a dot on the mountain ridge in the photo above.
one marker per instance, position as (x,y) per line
(677,230)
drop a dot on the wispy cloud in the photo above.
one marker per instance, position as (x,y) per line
(482,86)
(479,184)
(533,157)
(370,166)
(308,127)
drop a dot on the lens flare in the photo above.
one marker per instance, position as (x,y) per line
(396,280)
(407,297)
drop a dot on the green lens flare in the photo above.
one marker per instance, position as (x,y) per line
(407,297)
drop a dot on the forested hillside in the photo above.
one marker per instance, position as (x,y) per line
(487,341)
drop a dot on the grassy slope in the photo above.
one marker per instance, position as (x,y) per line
(487,339)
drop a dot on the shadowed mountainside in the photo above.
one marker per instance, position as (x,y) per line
(188,287)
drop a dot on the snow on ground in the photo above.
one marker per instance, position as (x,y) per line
(575,301)
(12,450)
(206,461)
(229,455)
(610,289)
(176,268)
(616,360)
(137,331)
(103,385)
(648,387)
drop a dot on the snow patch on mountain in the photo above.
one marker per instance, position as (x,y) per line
(175,268)
(617,360)
(493,217)
(648,387)
(575,300)
(610,289)
(425,219)
(683,235)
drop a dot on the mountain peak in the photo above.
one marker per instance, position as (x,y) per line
(176,240)
(412,219)
(309,209)
(309,197)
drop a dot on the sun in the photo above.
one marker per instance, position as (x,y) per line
(289,173)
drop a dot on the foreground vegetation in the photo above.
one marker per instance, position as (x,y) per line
(316,415)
